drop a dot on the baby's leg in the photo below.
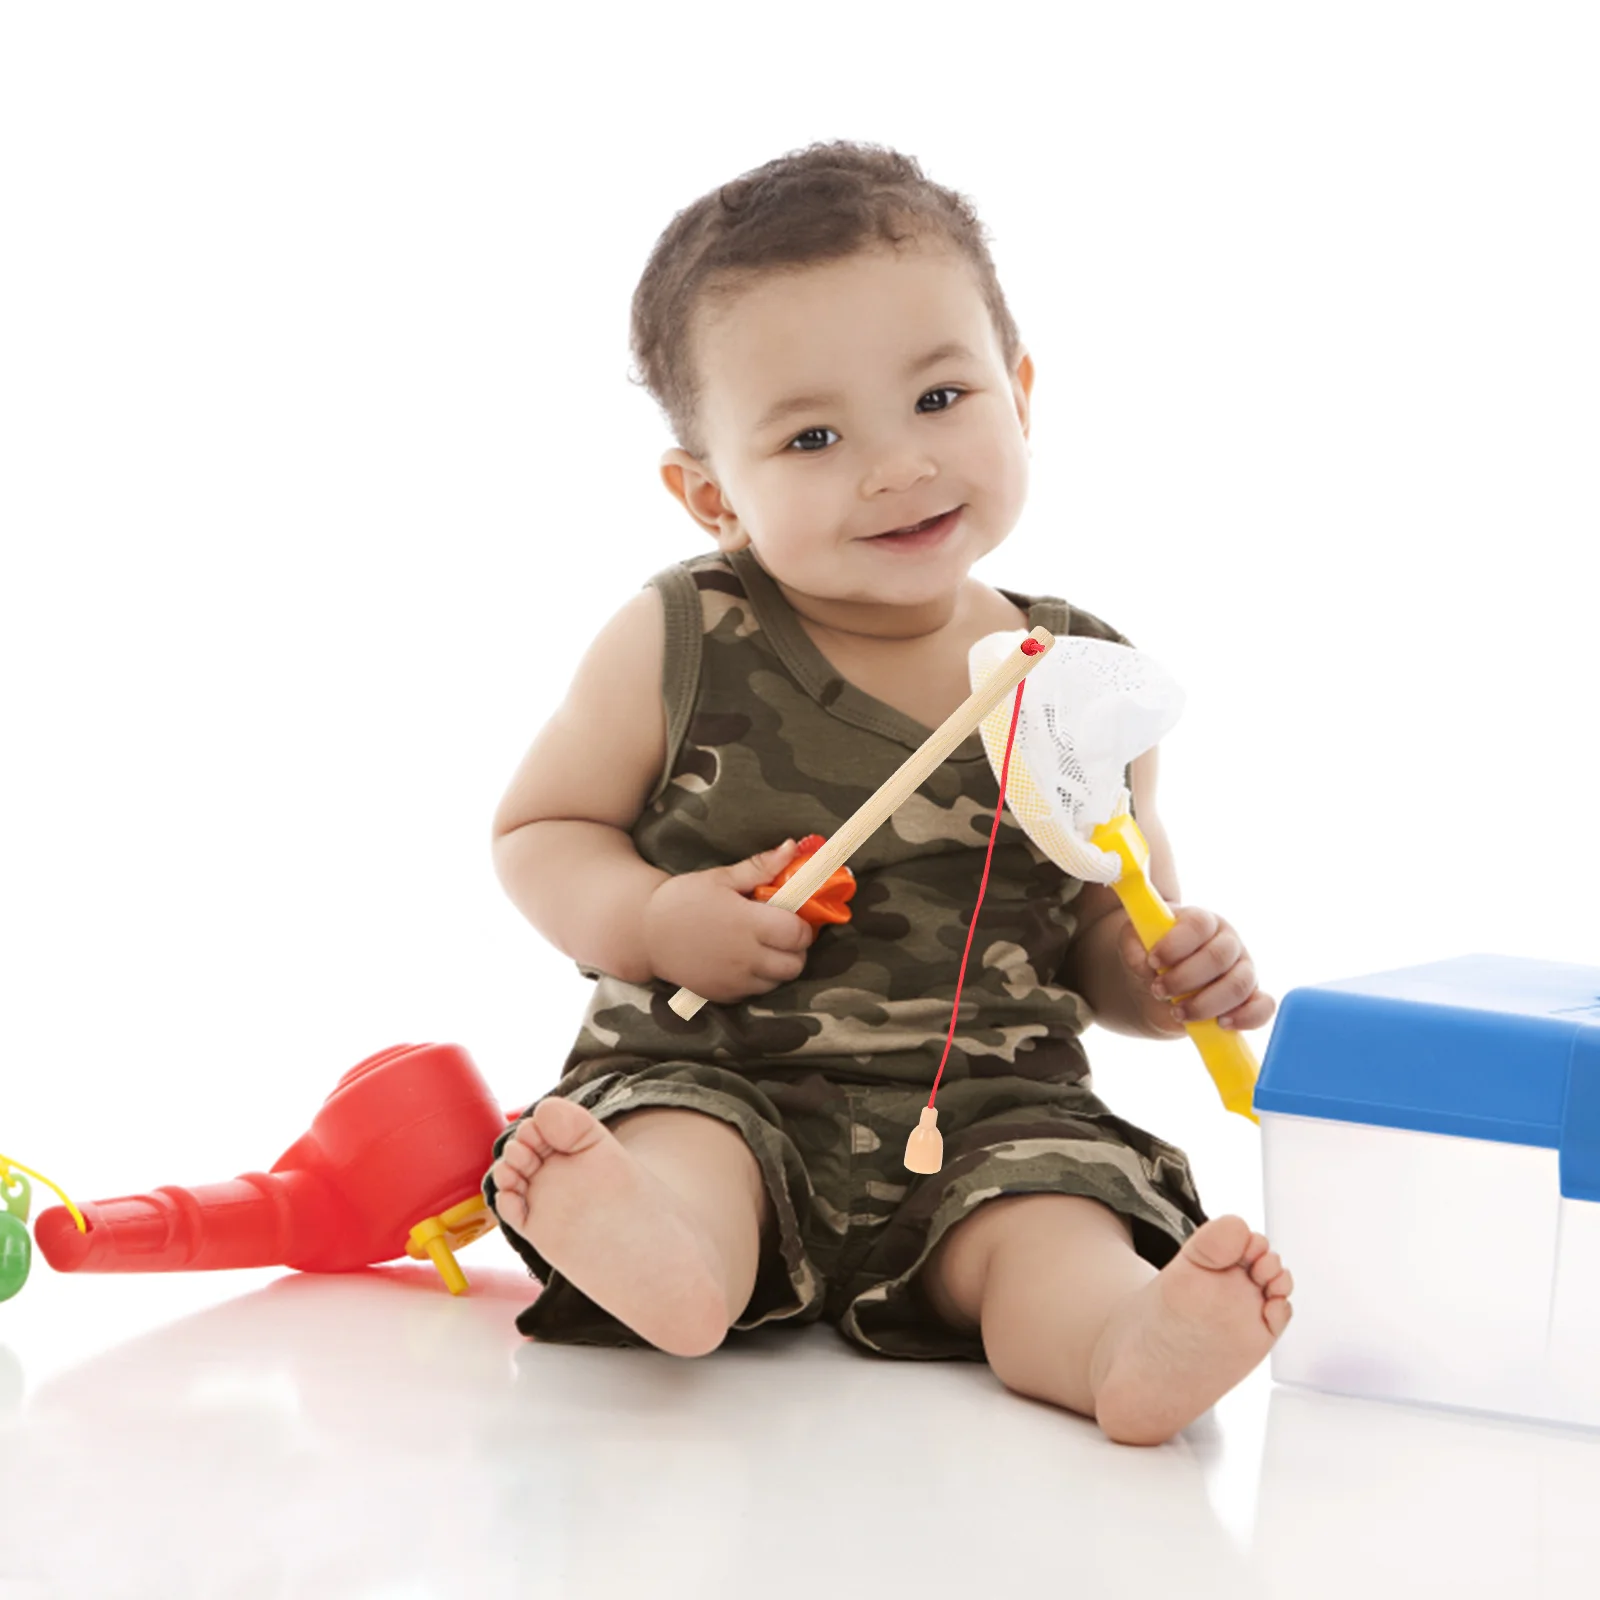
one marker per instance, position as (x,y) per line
(657,1216)
(1070,1314)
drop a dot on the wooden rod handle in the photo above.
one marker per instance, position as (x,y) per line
(896,789)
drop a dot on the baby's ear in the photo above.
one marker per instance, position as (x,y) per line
(675,469)
(689,484)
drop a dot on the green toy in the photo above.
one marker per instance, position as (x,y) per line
(16,1248)
(16,1243)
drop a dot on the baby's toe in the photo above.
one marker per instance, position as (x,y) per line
(568,1127)
(509,1179)
(519,1152)
(1265,1268)
(1219,1243)
(510,1199)
(1275,1312)
(1280,1287)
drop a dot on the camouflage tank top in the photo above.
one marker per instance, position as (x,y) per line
(765,741)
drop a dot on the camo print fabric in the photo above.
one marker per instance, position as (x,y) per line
(767,742)
(851,1226)
(825,1076)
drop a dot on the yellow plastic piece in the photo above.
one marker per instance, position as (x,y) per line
(1230,1061)
(436,1239)
(6,1164)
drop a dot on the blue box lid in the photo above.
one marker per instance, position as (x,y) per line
(1482,1046)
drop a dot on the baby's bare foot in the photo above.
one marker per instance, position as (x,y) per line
(1175,1347)
(612,1228)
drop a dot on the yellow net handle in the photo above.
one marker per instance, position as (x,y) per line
(1230,1061)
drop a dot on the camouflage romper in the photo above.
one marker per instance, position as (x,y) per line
(825,1076)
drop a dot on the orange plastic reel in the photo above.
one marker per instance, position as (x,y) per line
(828,904)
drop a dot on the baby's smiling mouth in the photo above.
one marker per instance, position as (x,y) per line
(916,527)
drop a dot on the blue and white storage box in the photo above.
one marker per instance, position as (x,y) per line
(1431,1140)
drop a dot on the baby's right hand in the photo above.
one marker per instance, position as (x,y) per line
(703,933)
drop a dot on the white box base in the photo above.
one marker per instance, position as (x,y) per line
(1431,1268)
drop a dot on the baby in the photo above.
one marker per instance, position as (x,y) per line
(830,346)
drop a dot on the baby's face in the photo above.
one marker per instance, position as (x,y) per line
(878,437)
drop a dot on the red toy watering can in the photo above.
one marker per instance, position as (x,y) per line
(392,1165)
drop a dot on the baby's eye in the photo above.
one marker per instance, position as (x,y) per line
(945,389)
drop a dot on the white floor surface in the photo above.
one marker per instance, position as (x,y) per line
(265,1434)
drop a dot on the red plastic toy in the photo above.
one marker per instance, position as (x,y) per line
(391,1166)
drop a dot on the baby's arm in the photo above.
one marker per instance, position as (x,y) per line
(564,850)
(561,834)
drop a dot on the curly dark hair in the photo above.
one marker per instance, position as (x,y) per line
(824,203)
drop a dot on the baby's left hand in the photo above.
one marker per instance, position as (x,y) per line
(1203,969)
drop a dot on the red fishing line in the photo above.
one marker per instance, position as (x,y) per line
(1030,647)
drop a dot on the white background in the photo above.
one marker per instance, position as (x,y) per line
(319,466)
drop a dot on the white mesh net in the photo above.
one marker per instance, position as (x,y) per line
(1088,709)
